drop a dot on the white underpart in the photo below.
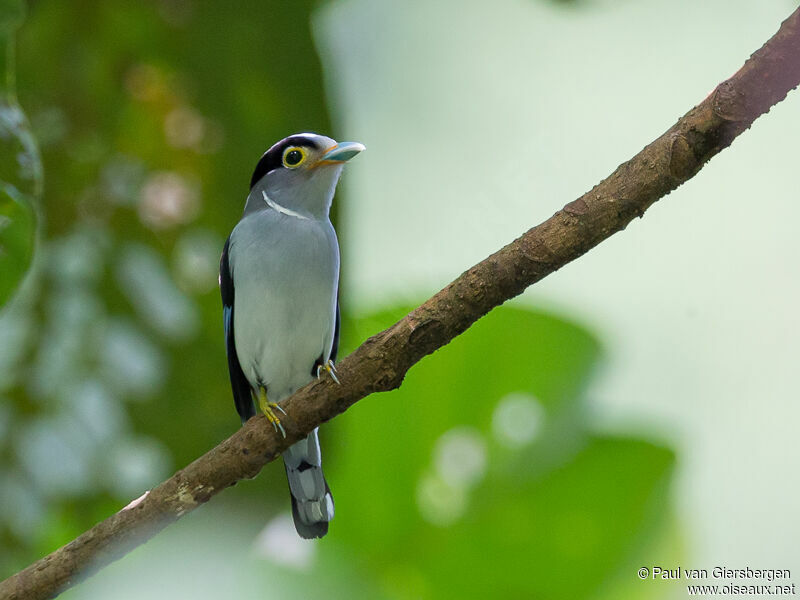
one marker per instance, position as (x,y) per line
(281,209)
(285,271)
(285,268)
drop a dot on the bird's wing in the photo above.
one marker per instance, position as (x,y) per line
(335,346)
(319,362)
(241,388)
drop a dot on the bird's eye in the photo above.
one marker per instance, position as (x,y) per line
(293,157)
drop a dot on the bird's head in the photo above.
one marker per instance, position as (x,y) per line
(299,174)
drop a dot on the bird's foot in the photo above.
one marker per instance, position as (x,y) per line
(328,368)
(267,408)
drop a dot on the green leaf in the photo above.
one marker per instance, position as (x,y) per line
(12,13)
(554,518)
(388,440)
(17,235)
(20,168)
(561,536)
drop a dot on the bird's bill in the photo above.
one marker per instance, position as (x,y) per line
(341,152)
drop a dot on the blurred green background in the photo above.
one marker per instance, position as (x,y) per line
(499,469)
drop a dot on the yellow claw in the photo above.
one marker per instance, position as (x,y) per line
(266,407)
(330,369)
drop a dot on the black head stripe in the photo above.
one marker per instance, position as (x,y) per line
(273,158)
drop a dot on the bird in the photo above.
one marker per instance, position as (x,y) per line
(279,280)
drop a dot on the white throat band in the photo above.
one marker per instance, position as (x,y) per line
(282,209)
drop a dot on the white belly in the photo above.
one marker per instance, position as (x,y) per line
(285,274)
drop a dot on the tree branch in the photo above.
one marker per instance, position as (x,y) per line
(381,362)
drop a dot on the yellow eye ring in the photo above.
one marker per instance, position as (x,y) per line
(293,157)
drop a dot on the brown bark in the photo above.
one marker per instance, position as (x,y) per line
(381,362)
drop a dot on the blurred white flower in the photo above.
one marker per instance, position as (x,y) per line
(121,180)
(460,457)
(184,127)
(279,543)
(133,465)
(55,463)
(129,363)
(145,280)
(195,260)
(17,492)
(438,502)
(168,199)
(517,419)
(459,463)
(97,412)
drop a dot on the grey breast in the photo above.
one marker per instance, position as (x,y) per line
(286,274)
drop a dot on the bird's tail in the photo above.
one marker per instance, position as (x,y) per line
(312,503)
